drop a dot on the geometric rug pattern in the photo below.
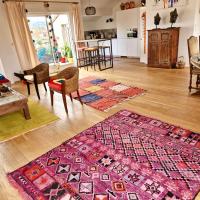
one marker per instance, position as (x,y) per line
(103,94)
(126,156)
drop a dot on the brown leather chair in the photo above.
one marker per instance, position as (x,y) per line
(193,49)
(37,75)
(66,82)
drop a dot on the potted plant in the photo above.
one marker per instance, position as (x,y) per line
(67,53)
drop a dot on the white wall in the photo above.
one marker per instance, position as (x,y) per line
(96,23)
(185,21)
(197,20)
(8,56)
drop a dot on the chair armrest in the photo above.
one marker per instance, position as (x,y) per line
(71,85)
(28,72)
(41,76)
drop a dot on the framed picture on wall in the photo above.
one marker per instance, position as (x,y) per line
(160,4)
(176,3)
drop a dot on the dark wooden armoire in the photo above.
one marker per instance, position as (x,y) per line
(163,47)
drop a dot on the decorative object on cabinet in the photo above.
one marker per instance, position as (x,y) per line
(128,5)
(132,4)
(90,10)
(173,16)
(180,63)
(122,6)
(157,19)
(143,2)
(163,47)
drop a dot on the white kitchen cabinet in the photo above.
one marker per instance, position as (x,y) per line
(122,47)
(127,47)
(132,47)
(114,47)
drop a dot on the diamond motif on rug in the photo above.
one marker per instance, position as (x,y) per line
(63,168)
(74,177)
(106,161)
(86,187)
(54,191)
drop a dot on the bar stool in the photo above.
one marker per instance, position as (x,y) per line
(103,53)
(81,57)
(92,57)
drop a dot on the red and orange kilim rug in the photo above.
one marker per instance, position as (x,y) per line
(103,94)
(125,157)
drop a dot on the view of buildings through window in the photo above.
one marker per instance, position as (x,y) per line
(52,38)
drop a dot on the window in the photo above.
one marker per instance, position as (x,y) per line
(52,37)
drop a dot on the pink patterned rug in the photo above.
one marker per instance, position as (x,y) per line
(126,156)
(103,94)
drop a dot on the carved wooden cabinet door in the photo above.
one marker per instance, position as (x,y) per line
(154,48)
(163,47)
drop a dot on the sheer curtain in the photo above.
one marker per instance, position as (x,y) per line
(77,22)
(21,34)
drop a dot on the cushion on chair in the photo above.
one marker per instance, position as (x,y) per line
(56,84)
(29,77)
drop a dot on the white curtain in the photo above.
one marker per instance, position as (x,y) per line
(78,23)
(21,34)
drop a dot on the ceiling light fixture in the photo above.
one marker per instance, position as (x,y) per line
(90,10)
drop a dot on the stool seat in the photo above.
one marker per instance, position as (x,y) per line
(81,48)
(91,49)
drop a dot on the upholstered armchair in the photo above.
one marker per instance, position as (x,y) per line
(193,49)
(37,75)
(65,82)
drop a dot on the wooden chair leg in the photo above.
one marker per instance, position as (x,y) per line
(28,88)
(78,94)
(37,90)
(65,102)
(26,112)
(197,81)
(45,87)
(190,85)
(52,94)
(71,97)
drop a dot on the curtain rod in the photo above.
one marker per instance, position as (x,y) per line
(3,1)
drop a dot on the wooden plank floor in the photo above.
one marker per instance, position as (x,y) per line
(167,99)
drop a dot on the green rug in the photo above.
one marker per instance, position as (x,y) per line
(14,124)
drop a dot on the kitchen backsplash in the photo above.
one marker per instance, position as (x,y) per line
(101,34)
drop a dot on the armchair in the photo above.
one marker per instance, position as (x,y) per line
(66,82)
(193,49)
(37,75)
